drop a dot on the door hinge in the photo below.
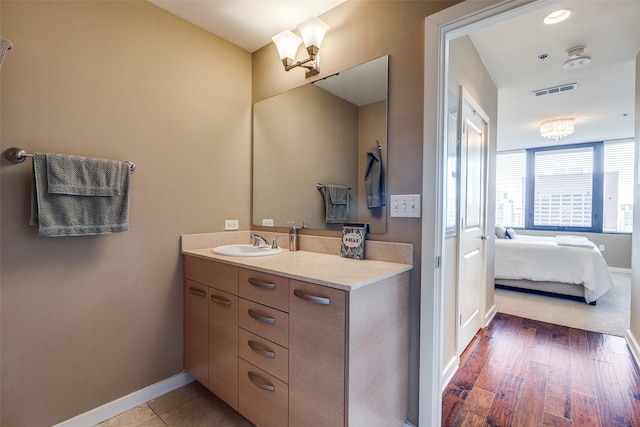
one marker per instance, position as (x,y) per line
(437,261)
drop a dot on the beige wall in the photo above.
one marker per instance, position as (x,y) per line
(86,320)
(372,128)
(297,150)
(128,81)
(360,31)
(635,257)
(465,68)
(0,229)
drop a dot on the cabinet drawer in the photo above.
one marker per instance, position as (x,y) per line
(264,400)
(267,289)
(265,321)
(211,273)
(264,354)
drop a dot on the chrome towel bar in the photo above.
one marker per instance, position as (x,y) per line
(320,186)
(17,155)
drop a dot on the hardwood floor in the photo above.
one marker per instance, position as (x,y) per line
(522,372)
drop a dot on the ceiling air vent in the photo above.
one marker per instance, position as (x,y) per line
(556,89)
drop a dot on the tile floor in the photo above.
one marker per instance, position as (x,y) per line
(191,405)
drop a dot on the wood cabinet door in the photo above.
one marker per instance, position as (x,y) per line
(316,355)
(223,346)
(196,326)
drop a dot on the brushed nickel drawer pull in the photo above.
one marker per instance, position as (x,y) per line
(266,353)
(261,318)
(312,298)
(256,380)
(220,301)
(264,285)
(197,292)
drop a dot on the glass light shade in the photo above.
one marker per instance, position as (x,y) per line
(313,31)
(556,129)
(287,44)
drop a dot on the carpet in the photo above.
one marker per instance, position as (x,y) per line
(609,316)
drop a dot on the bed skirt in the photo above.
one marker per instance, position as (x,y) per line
(558,288)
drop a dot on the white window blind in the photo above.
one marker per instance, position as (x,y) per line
(563,189)
(510,182)
(584,186)
(618,186)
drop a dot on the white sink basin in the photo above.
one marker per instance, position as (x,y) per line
(244,250)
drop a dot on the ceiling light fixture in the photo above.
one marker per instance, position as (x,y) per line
(577,58)
(557,16)
(556,129)
(287,43)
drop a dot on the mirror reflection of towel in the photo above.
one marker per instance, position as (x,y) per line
(374,179)
(336,199)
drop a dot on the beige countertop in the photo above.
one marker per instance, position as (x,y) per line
(314,267)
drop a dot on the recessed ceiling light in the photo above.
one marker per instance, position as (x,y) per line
(557,16)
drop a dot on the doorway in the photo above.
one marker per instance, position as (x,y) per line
(440,28)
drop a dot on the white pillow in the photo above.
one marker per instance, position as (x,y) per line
(501,232)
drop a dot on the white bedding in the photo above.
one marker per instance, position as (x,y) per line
(539,258)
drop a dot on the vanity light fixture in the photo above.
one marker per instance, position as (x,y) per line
(312,31)
(557,16)
(557,129)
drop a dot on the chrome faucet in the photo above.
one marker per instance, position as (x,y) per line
(259,241)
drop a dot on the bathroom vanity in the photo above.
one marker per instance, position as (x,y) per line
(299,338)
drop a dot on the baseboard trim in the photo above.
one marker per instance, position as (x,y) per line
(449,371)
(633,346)
(620,270)
(490,315)
(130,401)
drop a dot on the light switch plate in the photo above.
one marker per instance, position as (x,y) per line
(267,222)
(405,205)
(230,224)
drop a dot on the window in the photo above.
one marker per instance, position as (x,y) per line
(562,187)
(510,180)
(618,187)
(580,187)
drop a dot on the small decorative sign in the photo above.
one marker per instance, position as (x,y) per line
(353,239)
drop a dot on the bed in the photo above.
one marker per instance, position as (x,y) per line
(565,265)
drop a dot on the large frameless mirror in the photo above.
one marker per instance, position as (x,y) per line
(318,134)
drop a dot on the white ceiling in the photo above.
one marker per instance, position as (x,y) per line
(509,48)
(609,30)
(360,85)
(249,24)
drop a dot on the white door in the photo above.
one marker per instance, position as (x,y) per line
(471,228)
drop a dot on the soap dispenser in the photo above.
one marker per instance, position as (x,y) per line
(293,237)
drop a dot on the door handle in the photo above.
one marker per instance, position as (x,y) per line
(484,237)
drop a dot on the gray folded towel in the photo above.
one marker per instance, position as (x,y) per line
(75,196)
(84,176)
(336,199)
